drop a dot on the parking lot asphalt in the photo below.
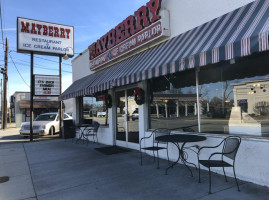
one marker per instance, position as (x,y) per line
(61,169)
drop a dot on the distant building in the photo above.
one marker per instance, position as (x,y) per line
(20,106)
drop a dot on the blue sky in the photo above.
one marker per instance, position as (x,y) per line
(91,19)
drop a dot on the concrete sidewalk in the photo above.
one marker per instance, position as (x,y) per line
(59,169)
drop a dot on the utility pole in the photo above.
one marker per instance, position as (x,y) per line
(1,102)
(4,72)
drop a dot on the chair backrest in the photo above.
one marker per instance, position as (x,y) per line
(95,126)
(87,121)
(188,129)
(231,146)
(160,132)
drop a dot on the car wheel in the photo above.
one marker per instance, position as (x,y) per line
(51,132)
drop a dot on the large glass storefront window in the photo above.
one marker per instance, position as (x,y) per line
(173,102)
(95,110)
(235,97)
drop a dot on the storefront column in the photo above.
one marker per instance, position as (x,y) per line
(143,111)
(113,116)
(195,109)
(157,110)
(177,108)
(186,110)
(197,69)
(166,112)
(235,98)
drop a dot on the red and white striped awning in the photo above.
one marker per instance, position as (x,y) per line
(235,34)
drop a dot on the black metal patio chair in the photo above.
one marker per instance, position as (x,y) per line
(155,145)
(229,150)
(93,131)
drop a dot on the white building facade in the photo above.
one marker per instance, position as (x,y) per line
(206,49)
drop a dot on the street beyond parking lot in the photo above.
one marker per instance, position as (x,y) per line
(59,169)
(12,135)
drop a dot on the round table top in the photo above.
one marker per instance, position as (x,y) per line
(180,138)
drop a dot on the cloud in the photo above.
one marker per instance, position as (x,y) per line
(10,29)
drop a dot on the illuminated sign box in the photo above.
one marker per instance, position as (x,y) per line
(44,38)
(46,85)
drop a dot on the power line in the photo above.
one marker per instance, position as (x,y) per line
(44,58)
(18,71)
(51,60)
(46,68)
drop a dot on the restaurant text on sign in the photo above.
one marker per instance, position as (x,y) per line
(142,18)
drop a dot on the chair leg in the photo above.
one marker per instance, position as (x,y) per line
(140,156)
(224,174)
(199,181)
(167,154)
(236,180)
(158,160)
(209,181)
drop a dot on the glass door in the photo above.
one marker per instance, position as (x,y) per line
(127,133)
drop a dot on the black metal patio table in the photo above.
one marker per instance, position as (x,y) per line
(176,139)
(82,128)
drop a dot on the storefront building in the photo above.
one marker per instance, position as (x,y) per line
(20,106)
(196,64)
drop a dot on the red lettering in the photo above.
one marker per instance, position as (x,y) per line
(120,33)
(39,28)
(62,33)
(142,18)
(129,24)
(98,48)
(45,30)
(104,42)
(56,32)
(51,31)
(25,28)
(92,52)
(67,33)
(154,7)
(111,40)
(33,31)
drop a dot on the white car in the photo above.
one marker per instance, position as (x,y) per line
(101,114)
(44,124)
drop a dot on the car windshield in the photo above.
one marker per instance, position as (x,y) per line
(49,117)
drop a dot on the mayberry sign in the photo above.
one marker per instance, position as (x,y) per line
(131,34)
(44,38)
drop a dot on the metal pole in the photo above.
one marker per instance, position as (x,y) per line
(4,122)
(32,97)
(198,97)
(1,104)
(61,102)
